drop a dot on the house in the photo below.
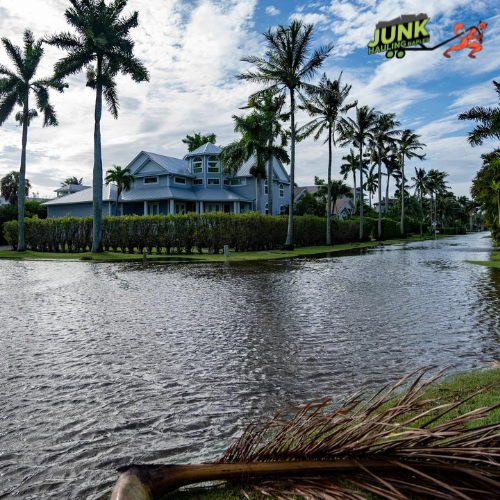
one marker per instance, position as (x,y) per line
(3,201)
(389,204)
(69,189)
(298,192)
(166,185)
(344,207)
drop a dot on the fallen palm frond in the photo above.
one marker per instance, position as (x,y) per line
(393,444)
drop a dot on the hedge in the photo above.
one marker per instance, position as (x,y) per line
(181,233)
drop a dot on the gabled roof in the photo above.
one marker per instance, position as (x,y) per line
(341,204)
(166,164)
(207,149)
(279,172)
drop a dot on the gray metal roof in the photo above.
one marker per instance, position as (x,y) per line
(278,172)
(214,194)
(72,188)
(207,149)
(85,196)
(170,164)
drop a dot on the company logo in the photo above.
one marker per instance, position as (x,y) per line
(409,32)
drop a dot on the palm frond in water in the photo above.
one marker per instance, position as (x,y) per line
(391,445)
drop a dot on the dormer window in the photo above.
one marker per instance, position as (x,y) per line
(213,165)
(150,180)
(282,191)
(197,165)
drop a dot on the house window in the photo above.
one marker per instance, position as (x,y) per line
(282,210)
(238,182)
(197,182)
(153,208)
(213,208)
(179,180)
(226,182)
(267,208)
(197,165)
(213,182)
(266,189)
(150,180)
(213,165)
(282,191)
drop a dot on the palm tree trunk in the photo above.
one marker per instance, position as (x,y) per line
(329,202)
(354,179)
(117,197)
(361,191)
(21,190)
(270,181)
(289,238)
(258,194)
(387,192)
(97,174)
(421,222)
(379,195)
(402,196)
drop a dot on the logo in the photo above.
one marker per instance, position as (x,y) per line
(409,32)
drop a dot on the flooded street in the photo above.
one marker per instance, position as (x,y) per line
(104,364)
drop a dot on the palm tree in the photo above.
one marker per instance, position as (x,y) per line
(325,106)
(9,187)
(72,181)
(488,119)
(271,110)
(255,132)
(287,67)
(407,146)
(435,185)
(371,185)
(196,140)
(338,190)
(359,132)
(123,179)
(383,139)
(351,165)
(392,168)
(102,39)
(420,186)
(15,88)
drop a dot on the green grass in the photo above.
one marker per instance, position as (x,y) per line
(449,389)
(493,262)
(234,256)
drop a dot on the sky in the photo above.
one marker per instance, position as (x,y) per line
(193,51)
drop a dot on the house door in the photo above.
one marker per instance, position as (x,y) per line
(180,208)
(227,208)
(153,208)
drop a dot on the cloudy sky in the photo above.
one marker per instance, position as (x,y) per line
(193,50)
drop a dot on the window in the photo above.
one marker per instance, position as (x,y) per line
(266,189)
(197,165)
(197,182)
(150,180)
(282,210)
(213,165)
(213,182)
(213,208)
(267,208)
(282,191)
(235,182)
(226,182)
(179,180)
(153,208)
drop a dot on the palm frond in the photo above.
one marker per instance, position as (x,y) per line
(7,104)
(14,53)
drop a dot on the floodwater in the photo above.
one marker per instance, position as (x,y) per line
(106,364)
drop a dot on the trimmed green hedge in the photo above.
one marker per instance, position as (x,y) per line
(181,233)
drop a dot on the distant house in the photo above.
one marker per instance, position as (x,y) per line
(167,185)
(344,207)
(3,201)
(298,192)
(69,189)
(390,204)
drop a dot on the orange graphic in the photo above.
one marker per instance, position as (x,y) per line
(474,36)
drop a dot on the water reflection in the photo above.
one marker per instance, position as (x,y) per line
(104,364)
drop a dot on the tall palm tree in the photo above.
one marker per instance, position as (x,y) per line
(384,138)
(287,67)
(420,186)
(123,179)
(325,106)
(488,119)
(392,168)
(351,165)
(15,88)
(9,187)
(407,146)
(101,45)
(436,184)
(271,110)
(255,133)
(72,180)
(371,185)
(196,140)
(359,132)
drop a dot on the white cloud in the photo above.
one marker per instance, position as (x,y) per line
(272,11)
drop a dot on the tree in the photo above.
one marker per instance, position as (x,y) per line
(255,133)
(420,186)
(488,119)
(351,165)
(392,168)
(196,140)
(309,205)
(384,138)
(72,181)
(123,179)
(9,187)
(325,105)
(287,67)
(435,185)
(371,185)
(359,132)
(103,46)
(407,146)
(15,89)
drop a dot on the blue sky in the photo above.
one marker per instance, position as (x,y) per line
(193,51)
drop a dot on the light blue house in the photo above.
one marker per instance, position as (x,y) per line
(166,185)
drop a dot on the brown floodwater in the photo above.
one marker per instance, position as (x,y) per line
(106,364)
